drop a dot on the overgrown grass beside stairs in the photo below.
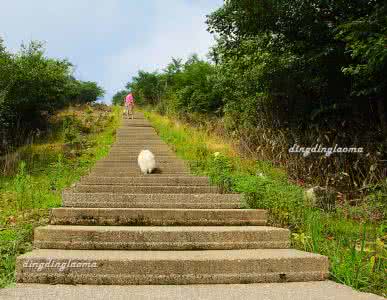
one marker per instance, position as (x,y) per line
(79,137)
(355,246)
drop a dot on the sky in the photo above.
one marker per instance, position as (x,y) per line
(109,41)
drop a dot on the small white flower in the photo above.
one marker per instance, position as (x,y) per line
(216,154)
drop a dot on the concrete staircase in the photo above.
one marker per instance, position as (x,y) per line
(119,227)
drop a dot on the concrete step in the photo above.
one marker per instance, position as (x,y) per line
(127,158)
(313,290)
(135,131)
(135,168)
(129,130)
(149,181)
(136,151)
(131,141)
(160,238)
(157,217)
(122,167)
(137,173)
(144,189)
(138,124)
(137,115)
(137,148)
(128,142)
(135,119)
(129,121)
(138,136)
(134,164)
(122,200)
(133,158)
(169,267)
(143,144)
(139,145)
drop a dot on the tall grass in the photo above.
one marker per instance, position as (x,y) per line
(354,174)
(43,170)
(354,246)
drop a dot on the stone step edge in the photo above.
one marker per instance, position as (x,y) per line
(160,237)
(172,267)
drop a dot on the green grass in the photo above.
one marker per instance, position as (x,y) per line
(46,168)
(355,248)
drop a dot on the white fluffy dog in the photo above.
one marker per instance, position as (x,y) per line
(146,161)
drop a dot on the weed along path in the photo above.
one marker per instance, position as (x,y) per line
(168,235)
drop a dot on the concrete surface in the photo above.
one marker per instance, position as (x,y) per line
(160,237)
(141,189)
(315,290)
(170,267)
(159,180)
(157,216)
(204,201)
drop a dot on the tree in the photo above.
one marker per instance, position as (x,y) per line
(118,98)
(292,48)
(366,39)
(89,92)
(33,85)
(146,87)
(194,87)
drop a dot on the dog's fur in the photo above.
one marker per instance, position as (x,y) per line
(146,162)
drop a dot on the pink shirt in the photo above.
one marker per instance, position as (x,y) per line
(129,99)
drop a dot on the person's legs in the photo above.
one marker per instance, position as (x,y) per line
(126,111)
(130,109)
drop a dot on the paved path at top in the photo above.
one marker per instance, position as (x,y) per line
(119,227)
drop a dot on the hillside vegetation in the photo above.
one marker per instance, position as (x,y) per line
(34,175)
(50,135)
(32,88)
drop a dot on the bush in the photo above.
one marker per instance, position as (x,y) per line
(32,87)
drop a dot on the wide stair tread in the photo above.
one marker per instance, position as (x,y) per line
(160,237)
(160,180)
(157,216)
(129,200)
(172,267)
(158,189)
